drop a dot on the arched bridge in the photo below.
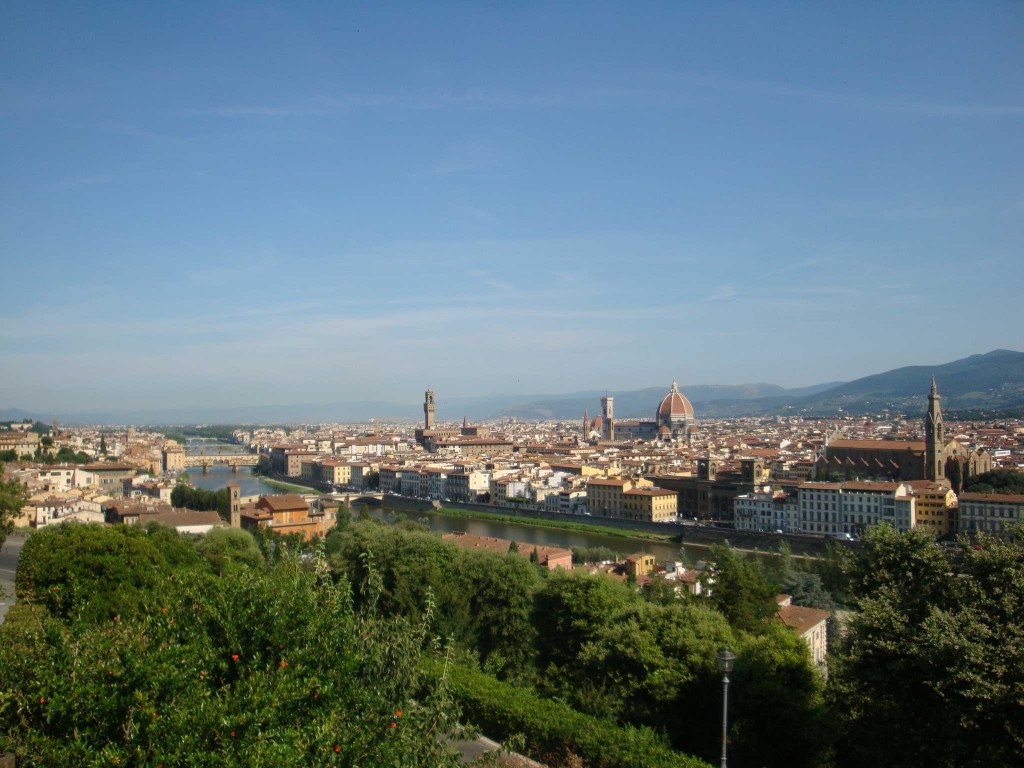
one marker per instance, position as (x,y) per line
(359,498)
(234,460)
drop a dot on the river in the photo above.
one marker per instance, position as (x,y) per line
(251,485)
(219,475)
(552,537)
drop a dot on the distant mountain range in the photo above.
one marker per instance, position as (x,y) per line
(991,381)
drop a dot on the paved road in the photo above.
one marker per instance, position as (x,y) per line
(9,554)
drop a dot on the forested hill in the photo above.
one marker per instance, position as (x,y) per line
(989,381)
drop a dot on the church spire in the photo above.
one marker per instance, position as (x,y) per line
(934,437)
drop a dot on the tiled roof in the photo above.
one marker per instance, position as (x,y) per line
(801,619)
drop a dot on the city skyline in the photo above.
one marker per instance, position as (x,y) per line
(253,206)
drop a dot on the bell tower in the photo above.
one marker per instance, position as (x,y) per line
(934,437)
(608,417)
(234,505)
(428,409)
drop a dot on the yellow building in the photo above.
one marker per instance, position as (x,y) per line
(936,507)
(287,514)
(653,505)
(606,496)
(173,458)
(335,472)
(639,564)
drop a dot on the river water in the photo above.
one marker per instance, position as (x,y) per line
(251,485)
(219,477)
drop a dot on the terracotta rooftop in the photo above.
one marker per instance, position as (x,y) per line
(1006,498)
(879,445)
(801,619)
(285,502)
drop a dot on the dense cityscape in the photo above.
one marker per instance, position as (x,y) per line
(531,385)
(782,487)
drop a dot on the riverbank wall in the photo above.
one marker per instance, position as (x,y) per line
(699,535)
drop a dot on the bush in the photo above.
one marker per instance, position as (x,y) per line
(260,667)
(553,730)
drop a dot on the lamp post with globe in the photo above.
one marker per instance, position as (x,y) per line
(725,660)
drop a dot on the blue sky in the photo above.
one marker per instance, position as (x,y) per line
(264,203)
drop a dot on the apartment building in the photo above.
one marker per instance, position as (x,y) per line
(990,513)
(851,507)
(652,505)
(767,511)
(606,496)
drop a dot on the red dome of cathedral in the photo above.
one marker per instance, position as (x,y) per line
(674,406)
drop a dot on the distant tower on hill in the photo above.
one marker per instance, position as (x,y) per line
(934,437)
(428,409)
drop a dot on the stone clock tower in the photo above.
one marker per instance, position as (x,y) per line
(428,409)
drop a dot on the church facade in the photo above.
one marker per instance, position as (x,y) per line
(929,459)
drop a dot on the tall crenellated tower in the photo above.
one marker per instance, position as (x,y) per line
(428,409)
(934,437)
(608,417)
(586,426)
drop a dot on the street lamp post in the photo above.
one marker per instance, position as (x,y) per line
(725,659)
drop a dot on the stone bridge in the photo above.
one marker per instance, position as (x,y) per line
(360,497)
(234,460)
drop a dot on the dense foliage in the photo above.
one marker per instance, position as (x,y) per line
(260,666)
(931,672)
(557,732)
(12,498)
(998,481)
(599,646)
(201,499)
(139,646)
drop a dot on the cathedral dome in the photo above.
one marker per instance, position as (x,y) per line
(674,407)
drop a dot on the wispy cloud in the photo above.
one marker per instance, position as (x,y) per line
(466,157)
(911,105)
(334,104)
(723,293)
(798,266)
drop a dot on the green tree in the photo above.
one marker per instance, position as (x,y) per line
(98,572)
(103,445)
(1002,481)
(569,612)
(513,547)
(932,665)
(227,548)
(12,499)
(807,590)
(739,589)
